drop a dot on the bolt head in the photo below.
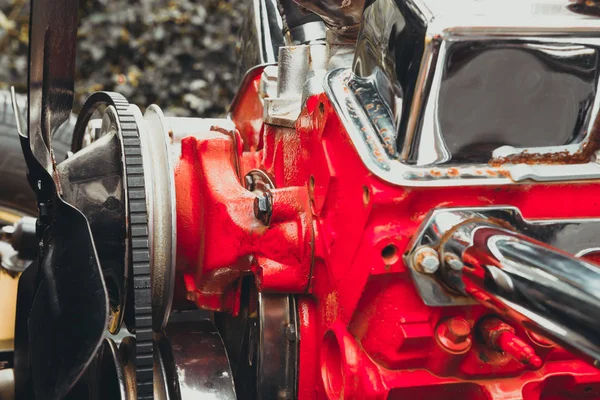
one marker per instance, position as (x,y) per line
(262,208)
(459,330)
(427,260)
(454,262)
(454,335)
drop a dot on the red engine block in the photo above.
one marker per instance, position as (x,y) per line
(336,239)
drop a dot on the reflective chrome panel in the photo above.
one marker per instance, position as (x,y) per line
(341,16)
(300,25)
(506,93)
(576,236)
(389,51)
(296,66)
(496,262)
(477,86)
(366,115)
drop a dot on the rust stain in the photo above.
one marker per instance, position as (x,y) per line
(453,172)
(421,256)
(448,234)
(581,156)
(435,172)
(331,307)
(418,217)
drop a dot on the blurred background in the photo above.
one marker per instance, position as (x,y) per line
(179,54)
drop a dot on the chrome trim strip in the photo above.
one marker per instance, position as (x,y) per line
(370,143)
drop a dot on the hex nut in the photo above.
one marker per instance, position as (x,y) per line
(453,261)
(263,208)
(426,260)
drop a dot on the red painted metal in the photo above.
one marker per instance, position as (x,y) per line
(500,336)
(219,238)
(454,335)
(336,239)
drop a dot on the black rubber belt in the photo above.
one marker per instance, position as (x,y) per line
(138,235)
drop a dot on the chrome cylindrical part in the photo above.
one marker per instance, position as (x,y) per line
(341,16)
(526,281)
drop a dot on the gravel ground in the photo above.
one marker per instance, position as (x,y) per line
(179,54)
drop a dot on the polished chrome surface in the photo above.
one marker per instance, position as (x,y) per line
(300,25)
(277,347)
(577,236)
(512,267)
(539,100)
(308,32)
(261,36)
(196,362)
(370,125)
(154,136)
(341,16)
(526,74)
(296,64)
(376,145)
(340,51)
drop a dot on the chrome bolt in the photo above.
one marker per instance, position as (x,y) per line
(454,262)
(426,260)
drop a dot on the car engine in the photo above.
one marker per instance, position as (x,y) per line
(402,203)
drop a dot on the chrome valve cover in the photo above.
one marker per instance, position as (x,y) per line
(491,91)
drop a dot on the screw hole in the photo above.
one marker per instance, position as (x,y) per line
(390,254)
(366,195)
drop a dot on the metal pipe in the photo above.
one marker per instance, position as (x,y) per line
(525,281)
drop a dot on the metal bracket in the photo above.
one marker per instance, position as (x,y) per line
(575,236)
